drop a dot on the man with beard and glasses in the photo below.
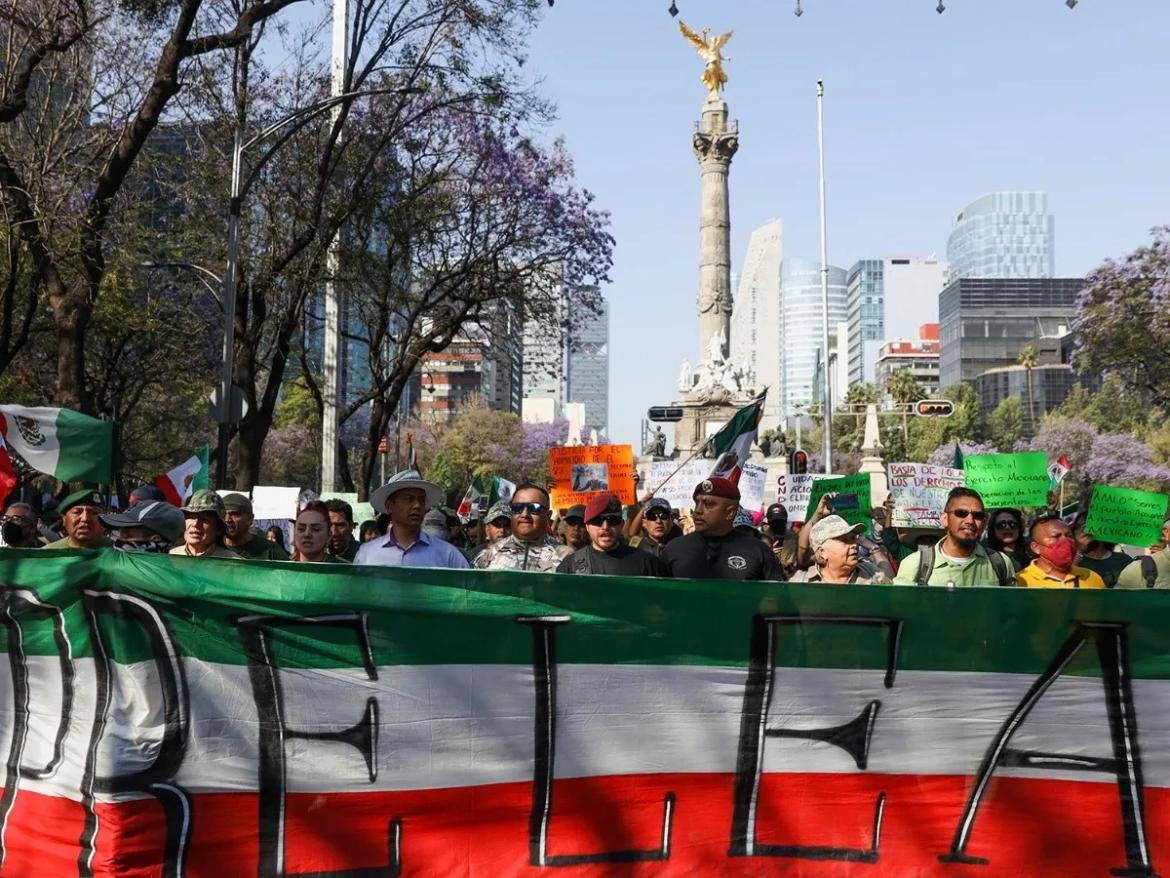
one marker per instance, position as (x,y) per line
(528,546)
(715,550)
(959,558)
(607,552)
(1051,541)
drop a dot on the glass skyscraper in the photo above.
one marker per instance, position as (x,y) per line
(865,306)
(801,325)
(1003,234)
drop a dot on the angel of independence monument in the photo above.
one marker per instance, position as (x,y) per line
(711,393)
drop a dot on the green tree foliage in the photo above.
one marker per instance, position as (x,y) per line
(1116,407)
(486,443)
(1005,425)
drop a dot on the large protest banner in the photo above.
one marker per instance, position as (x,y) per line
(179,716)
(1126,515)
(1019,479)
(920,492)
(579,472)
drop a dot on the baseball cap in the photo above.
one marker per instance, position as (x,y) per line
(498,511)
(155,515)
(577,511)
(146,492)
(657,503)
(830,527)
(777,511)
(743,518)
(434,524)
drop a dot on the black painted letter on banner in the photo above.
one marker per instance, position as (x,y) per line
(544,675)
(853,737)
(15,602)
(264,674)
(1125,764)
(158,778)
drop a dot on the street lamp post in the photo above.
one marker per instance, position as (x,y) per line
(240,184)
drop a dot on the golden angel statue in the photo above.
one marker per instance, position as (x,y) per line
(708,48)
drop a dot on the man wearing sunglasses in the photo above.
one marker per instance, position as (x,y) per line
(528,547)
(715,550)
(652,526)
(959,558)
(607,553)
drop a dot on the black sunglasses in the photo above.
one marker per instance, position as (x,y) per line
(656,515)
(611,520)
(531,508)
(978,515)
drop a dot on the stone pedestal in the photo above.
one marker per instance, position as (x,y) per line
(872,461)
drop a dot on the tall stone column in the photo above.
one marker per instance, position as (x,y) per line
(715,142)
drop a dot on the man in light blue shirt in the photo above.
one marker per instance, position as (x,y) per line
(406,498)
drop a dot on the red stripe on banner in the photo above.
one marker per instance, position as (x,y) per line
(1024,828)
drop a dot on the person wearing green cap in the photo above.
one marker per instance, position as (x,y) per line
(204,530)
(243,539)
(83,529)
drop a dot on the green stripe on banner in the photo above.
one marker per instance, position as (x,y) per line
(423,616)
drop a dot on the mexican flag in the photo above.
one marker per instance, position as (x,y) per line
(733,444)
(8,477)
(318,719)
(185,479)
(60,442)
(1058,470)
(473,500)
(501,492)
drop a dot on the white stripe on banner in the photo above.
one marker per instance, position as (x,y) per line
(465,725)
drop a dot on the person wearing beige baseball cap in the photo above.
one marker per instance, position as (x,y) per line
(836,559)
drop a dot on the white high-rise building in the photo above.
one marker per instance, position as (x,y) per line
(755,316)
(801,327)
(888,299)
(1003,235)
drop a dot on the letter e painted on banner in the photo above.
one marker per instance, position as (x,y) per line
(853,737)
(264,674)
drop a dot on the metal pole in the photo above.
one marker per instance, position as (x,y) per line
(331,365)
(828,380)
(224,409)
(797,419)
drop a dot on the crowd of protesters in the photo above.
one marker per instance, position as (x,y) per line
(715,539)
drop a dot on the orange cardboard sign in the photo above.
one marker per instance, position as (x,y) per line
(580,472)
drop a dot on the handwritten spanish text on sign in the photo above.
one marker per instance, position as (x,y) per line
(920,492)
(1126,515)
(676,488)
(793,491)
(1016,480)
(580,472)
(857,484)
(752,484)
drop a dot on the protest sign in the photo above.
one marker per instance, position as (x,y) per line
(271,502)
(858,484)
(793,491)
(920,492)
(1126,515)
(580,472)
(213,718)
(679,490)
(752,483)
(1014,480)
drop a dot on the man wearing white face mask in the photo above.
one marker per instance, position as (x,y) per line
(1055,549)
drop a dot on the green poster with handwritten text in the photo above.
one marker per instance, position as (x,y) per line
(1126,515)
(1017,480)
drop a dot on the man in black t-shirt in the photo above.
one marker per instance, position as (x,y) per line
(606,553)
(715,550)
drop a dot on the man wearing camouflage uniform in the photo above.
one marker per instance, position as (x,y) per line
(528,547)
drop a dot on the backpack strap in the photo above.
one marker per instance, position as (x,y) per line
(1149,570)
(925,565)
(1000,565)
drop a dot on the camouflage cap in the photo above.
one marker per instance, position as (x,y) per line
(204,501)
(500,510)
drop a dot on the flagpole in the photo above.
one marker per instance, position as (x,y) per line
(678,468)
(828,380)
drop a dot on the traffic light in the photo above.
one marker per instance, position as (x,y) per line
(798,462)
(934,408)
(664,414)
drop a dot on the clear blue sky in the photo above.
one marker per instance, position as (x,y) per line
(923,114)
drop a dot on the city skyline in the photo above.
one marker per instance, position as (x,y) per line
(904,151)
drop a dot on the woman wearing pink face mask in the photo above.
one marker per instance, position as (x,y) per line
(1055,549)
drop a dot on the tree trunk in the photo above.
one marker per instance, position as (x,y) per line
(72,321)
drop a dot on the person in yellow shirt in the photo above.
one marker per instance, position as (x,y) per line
(1055,549)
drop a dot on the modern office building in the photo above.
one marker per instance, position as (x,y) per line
(801,327)
(755,316)
(1005,235)
(588,374)
(888,299)
(1039,393)
(917,355)
(985,323)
